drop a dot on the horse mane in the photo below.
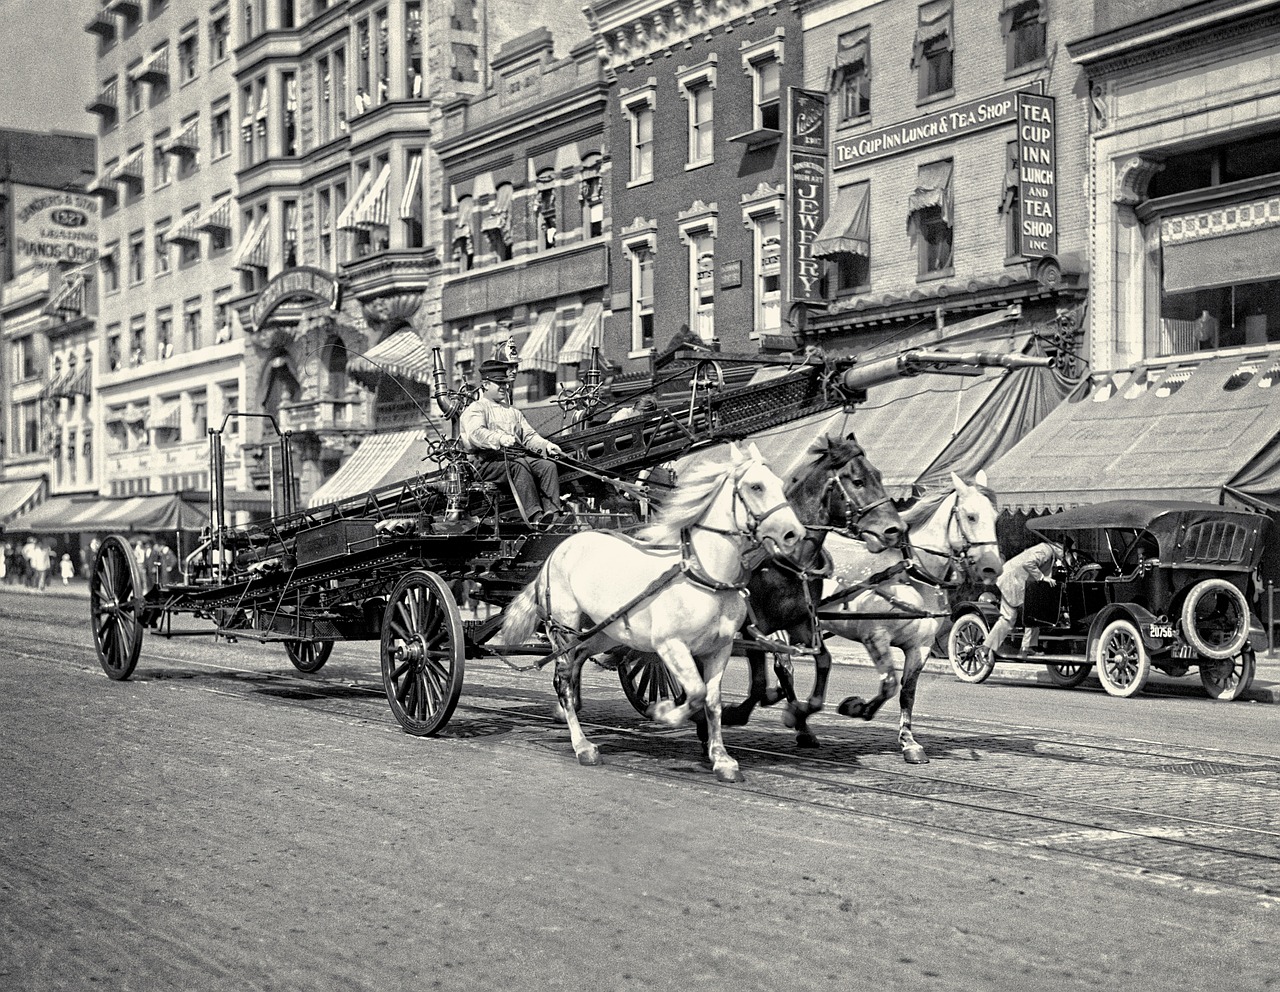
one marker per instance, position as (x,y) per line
(924,510)
(693,495)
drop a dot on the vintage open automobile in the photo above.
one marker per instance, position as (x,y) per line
(1157,584)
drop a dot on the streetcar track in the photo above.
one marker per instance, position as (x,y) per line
(1164,831)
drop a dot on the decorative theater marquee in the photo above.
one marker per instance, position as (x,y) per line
(943,125)
(302,283)
(52,226)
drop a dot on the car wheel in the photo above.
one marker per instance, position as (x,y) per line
(964,649)
(1215,619)
(1069,676)
(1230,678)
(1121,659)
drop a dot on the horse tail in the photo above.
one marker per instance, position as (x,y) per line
(522,614)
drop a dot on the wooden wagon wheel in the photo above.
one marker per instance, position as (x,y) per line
(422,653)
(646,680)
(308,656)
(116,607)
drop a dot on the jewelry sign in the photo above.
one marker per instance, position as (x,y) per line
(1037,176)
(807,168)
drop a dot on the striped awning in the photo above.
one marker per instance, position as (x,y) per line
(168,416)
(217,216)
(79,384)
(188,140)
(130,170)
(539,351)
(133,413)
(155,69)
(411,199)
(402,354)
(373,212)
(69,299)
(19,496)
(588,332)
(188,228)
(380,460)
(53,388)
(347,219)
(255,246)
(104,185)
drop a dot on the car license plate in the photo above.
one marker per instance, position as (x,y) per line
(1160,629)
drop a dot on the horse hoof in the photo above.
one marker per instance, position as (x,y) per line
(659,710)
(915,755)
(734,716)
(853,706)
(731,775)
(591,757)
(807,741)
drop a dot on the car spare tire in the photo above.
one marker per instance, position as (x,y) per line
(1215,618)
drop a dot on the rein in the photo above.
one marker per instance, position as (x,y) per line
(951,555)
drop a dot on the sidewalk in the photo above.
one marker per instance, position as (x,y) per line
(1265,687)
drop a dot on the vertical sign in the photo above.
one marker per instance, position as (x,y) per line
(807,181)
(1037,176)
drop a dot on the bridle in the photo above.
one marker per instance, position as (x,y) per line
(963,553)
(855,506)
(754,520)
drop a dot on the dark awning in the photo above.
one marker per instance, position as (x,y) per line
(848,229)
(853,52)
(1180,430)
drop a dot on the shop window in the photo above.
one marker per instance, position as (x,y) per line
(851,78)
(1242,314)
(1023,22)
(933,52)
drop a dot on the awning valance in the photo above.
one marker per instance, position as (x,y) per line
(934,29)
(848,229)
(373,212)
(381,459)
(347,218)
(853,54)
(588,331)
(1177,430)
(217,216)
(411,199)
(255,246)
(539,351)
(1017,11)
(19,496)
(401,354)
(69,299)
(933,189)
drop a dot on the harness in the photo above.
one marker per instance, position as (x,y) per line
(964,554)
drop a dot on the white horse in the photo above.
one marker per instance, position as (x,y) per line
(957,529)
(676,591)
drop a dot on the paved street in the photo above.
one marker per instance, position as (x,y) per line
(221,821)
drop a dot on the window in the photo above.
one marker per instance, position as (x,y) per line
(164,333)
(289,117)
(137,258)
(191,330)
(463,252)
(932,54)
(133,93)
(221,132)
(466,63)
(160,160)
(110,268)
(698,85)
(188,147)
(26,427)
(251,24)
(339,205)
(383,90)
(219,38)
(290,239)
(137,340)
(189,243)
(324,101)
(702,285)
(639,110)
(1009,203)
(166,430)
(545,206)
(591,192)
(253,123)
(364,67)
(929,218)
(231,406)
(222,315)
(161,243)
(768,264)
(851,79)
(188,57)
(115,358)
(24,359)
(640,253)
(766,82)
(1023,22)
(324,225)
(199,414)
(845,240)
(413,49)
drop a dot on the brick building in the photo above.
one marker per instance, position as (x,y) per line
(700,171)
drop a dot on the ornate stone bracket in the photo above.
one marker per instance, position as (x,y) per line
(390,312)
(1133,176)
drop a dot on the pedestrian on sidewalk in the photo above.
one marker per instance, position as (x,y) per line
(68,569)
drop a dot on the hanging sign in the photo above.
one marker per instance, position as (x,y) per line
(1037,176)
(807,174)
(52,226)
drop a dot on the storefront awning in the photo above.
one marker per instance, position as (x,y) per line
(1178,430)
(255,246)
(539,351)
(19,496)
(587,333)
(373,212)
(848,229)
(402,354)
(130,514)
(381,459)
(1220,253)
